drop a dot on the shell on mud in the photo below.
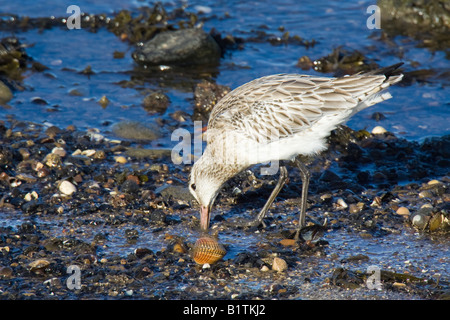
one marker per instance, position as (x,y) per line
(208,250)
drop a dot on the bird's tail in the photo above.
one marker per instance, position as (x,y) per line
(378,93)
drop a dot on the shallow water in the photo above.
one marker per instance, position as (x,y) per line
(417,111)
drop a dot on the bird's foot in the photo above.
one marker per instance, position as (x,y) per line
(310,233)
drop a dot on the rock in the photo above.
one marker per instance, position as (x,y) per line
(104,101)
(59,151)
(6,155)
(403,211)
(420,220)
(176,192)
(378,130)
(6,272)
(134,130)
(288,242)
(425,194)
(279,264)
(5,93)
(67,188)
(121,159)
(38,265)
(428,20)
(180,47)
(207,94)
(156,102)
(129,186)
(53,160)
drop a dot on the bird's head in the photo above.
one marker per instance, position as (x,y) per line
(204,185)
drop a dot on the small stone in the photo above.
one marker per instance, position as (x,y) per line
(59,151)
(432,182)
(279,264)
(53,160)
(355,208)
(288,242)
(5,93)
(179,248)
(88,153)
(121,159)
(399,285)
(425,194)
(104,101)
(340,203)
(31,195)
(265,268)
(378,130)
(67,188)
(38,264)
(420,221)
(25,153)
(435,221)
(403,211)
(5,272)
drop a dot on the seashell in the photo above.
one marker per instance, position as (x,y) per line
(208,250)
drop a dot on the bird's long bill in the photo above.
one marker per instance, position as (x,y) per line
(205,212)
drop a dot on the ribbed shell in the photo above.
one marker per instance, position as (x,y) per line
(208,250)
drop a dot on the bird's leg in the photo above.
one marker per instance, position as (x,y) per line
(305,175)
(281,181)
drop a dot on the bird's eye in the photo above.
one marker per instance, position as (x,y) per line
(193,186)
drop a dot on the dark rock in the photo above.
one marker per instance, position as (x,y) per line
(134,130)
(157,216)
(156,102)
(207,94)
(181,47)
(176,192)
(6,155)
(129,186)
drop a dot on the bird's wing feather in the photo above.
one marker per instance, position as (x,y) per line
(282,105)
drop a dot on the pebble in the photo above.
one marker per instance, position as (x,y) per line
(403,211)
(104,101)
(59,151)
(38,264)
(53,160)
(5,272)
(67,188)
(121,159)
(355,208)
(135,130)
(180,47)
(88,153)
(31,195)
(341,204)
(288,242)
(279,264)
(5,93)
(425,194)
(420,221)
(378,130)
